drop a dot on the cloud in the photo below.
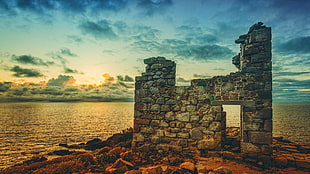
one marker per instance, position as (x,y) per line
(78,7)
(6,9)
(125,78)
(4,86)
(58,56)
(23,72)
(184,50)
(74,38)
(28,59)
(291,90)
(290,73)
(71,71)
(99,30)
(196,34)
(201,76)
(291,83)
(296,45)
(95,6)
(145,33)
(67,52)
(62,81)
(108,79)
(37,6)
(150,7)
(205,52)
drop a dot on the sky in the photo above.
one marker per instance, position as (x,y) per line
(93,49)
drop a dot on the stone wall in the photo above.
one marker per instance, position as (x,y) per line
(190,119)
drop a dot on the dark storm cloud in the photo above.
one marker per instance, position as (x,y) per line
(99,30)
(24,72)
(196,34)
(28,59)
(6,9)
(151,7)
(205,52)
(79,6)
(296,45)
(37,6)
(125,78)
(67,52)
(61,81)
(184,50)
(43,7)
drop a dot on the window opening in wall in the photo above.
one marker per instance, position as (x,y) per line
(233,122)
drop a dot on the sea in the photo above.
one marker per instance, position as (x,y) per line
(35,128)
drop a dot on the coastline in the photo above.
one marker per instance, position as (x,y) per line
(114,155)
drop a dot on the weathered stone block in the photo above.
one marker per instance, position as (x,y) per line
(196,134)
(157,66)
(194,118)
(163,123)
(215,126)
(155,123)
(141,121)
(188,125)
(155,140)
(180,89)
(249,148)
(171,102)
(260,35)
(265,95)
(267,149)
(252,126)
(140,107)
(191,108)
(147,130)
(268,125)
(155,107)
(182,135)
(259,137)
(160,100)
(175,130)
(208,144)
(183,143)
(165,108)
(170,134)
(176,148)
(163,147)
(170,116)
(183,117)
(160,133)
(138,137)
(154,90)
(264,113)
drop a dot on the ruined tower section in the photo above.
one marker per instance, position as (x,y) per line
(154,97)
(254,63)
(190,119)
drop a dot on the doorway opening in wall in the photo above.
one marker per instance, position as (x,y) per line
(233,127)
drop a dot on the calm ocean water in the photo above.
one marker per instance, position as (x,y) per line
(28,129)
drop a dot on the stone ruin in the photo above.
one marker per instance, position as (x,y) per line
(190,119)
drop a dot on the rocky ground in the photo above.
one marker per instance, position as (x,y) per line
(114,156)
